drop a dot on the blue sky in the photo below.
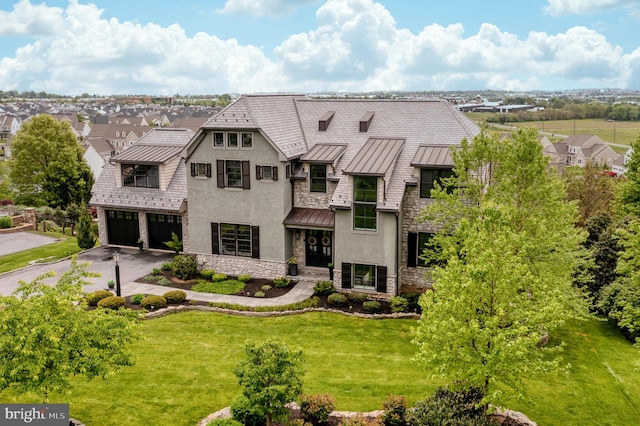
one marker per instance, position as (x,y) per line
(240,46)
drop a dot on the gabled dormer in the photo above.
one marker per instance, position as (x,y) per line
(433,164)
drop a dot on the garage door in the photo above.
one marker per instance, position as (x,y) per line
(122,227)
(160,227)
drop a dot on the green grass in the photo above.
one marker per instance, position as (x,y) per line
(184,366)
(51,252)
(219,287)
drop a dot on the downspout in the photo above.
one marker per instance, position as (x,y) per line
(397,259)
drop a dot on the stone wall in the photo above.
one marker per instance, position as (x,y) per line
(391,286)
(312,200)
(237,265)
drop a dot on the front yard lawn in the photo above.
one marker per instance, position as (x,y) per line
(184,366)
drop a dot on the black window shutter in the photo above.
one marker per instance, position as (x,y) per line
(255,242)
(346,275)
(274,172)
(258,172)
(246,176)
(220,173)
(381,279)
(215,239)
(193,169)
(208,169)
(412,250)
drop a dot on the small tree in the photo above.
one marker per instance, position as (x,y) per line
(86,240)
(271,377)
(175,244)
(48,335)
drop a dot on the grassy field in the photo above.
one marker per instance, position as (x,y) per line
(184,369)
(54,251)
(619,132)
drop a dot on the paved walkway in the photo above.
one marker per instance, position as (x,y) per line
(135,264)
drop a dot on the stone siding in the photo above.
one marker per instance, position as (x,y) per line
(303,198)
(237,265)
(391,286)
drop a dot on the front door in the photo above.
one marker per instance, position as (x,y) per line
(318,247)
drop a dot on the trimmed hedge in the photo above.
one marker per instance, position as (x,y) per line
(184,266)
(96,296)
(6,222)
(371,307)
(337,299)
(111,302)
(207,274)
(323,288)
(175,296)
(153,302)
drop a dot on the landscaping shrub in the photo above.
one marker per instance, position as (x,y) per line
(337,299)
(207,274)
(156,271)
(153,302)
(245,278)
(399,304)
(354,421)
(175,296)
(357,298)
(96,296)
(6,202)
(136,299)
(184,266)
(167,266)
(219,287)
(259,294)
(312,302)
(246,413)
(164,281)
(218,277)
(266,287)
(395,411)
(456,408)
(151,279)
(281,282)
(412,299)
(6,222)
(323,288)
(111,302)
(316,408)
(371,306)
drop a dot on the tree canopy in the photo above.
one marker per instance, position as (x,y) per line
(47,167)
(508,251)
(47,334)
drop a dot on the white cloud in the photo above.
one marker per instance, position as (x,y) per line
(582,7)
(264,7)
(31,20)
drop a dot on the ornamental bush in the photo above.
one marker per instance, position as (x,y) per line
(323,288)
(357,298)
(136,299)
(153,302)
(246,413)
(337,299)
(395,411)
(259,294)
(184,266)
(111,302)
(175,296)
(281,282)
(245,278)
(96,296)
(218,277)
(6,222)
(371,306)
(207,274)
(316,408)
(399,304)
(448,407)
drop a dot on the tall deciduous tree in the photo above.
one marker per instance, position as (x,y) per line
(48,335)
(628,200)
(271,377)
(47,167)
(509,249)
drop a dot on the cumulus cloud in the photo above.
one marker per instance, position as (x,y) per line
(582,7)
(264,7)
(356,45)
(31,20)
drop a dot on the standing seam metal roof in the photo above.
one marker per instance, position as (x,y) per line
(375,157)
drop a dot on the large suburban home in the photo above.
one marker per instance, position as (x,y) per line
(578,150)
(327,182)
(141,193)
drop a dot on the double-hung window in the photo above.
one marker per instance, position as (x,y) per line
(218,139)
(234,239)
(233,174)
(318,175)
(365,193)
(201,170)
(429,176)
(266,172)
(140,175)
(423,250)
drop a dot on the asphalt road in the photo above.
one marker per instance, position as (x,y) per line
(133,265)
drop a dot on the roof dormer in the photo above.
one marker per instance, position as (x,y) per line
(365,121)
(324,121)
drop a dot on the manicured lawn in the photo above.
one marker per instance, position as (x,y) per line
(219,287)
(50,252)
(621,132)
(185,362)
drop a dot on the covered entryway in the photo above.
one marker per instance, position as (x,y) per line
(160,227)
(318,247)
(122,227)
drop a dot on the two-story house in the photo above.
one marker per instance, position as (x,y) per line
(325,181)
(141,193)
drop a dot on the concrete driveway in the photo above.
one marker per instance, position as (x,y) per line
(133,265)
(18,241)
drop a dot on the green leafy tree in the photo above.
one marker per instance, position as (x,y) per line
(593,192)
(85,236)
(271,377)
(47,335)
(628,199)
(509,251)
(47,167)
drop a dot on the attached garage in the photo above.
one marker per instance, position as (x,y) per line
(122,227)
(160,227)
